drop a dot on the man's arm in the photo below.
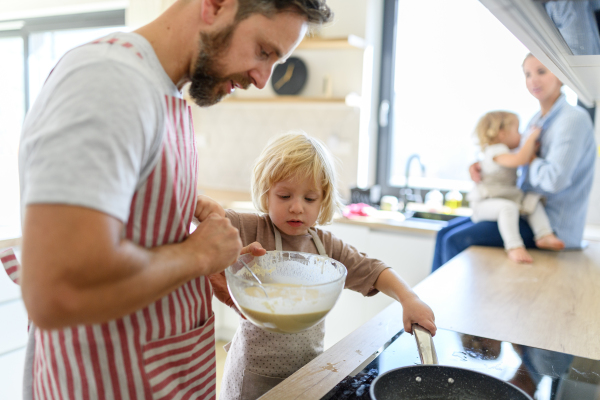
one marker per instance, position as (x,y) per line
(78,270)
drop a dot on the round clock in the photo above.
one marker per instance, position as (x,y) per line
(289,78)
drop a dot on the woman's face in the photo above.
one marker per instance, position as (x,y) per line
(541,83)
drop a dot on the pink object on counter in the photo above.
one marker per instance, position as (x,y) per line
(357,210)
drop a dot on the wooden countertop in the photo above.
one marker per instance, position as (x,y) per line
(552,304)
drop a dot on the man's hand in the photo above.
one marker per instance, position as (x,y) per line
(206,206)
(475,172)
(215,244)
(219,282)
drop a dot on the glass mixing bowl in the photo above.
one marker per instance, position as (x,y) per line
(299,289)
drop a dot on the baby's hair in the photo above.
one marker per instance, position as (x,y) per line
(491,124)
(296,155)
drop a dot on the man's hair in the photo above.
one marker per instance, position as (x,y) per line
(296,155)
(315,11)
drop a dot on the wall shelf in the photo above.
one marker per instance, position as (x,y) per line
(284,99)
(348,42)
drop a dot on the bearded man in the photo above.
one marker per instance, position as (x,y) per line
(114,283)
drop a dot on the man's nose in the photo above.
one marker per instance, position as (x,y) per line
(261,74)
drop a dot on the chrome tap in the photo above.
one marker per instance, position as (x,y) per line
(405,192)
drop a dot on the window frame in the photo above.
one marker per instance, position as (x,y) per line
(97,19)
(385,121)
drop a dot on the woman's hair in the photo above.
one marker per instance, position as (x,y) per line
(491,124)
(526,57)
(296,155)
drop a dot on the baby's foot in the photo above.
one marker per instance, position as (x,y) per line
(519,255)
(550,242)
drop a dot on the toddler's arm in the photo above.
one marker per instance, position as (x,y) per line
(414,310)
(524,155)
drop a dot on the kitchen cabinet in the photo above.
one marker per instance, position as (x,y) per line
(531,24)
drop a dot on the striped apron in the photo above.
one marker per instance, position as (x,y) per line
(165,350)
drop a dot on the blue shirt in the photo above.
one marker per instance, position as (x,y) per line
(577,24)
(564,171)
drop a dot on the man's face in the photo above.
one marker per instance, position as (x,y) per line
(243,54)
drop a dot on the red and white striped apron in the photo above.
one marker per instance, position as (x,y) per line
(166,350)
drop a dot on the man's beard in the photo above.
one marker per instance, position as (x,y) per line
(206,77)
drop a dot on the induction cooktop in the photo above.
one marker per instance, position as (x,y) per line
(544,374)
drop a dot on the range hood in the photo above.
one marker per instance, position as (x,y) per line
(529,21)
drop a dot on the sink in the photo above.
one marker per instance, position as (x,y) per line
(414,215)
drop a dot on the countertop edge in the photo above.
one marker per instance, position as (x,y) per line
(319,376)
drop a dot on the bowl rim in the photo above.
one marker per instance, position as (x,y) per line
(253,282)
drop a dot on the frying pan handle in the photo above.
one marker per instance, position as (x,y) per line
(425,345)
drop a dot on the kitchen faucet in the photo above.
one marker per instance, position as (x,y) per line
(406,193)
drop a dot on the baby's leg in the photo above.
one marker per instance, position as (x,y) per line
(506,212)
(544,236)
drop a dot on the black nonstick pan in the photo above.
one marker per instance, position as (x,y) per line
(430,381)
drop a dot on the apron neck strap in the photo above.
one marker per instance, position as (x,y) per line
(315,237)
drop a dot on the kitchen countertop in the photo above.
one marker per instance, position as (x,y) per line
(242,202)
(552,304)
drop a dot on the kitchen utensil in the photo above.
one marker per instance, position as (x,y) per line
(431,381)
(255,277)
(301,289)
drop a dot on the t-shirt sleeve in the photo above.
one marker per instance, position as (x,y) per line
(91,139)
(363,271)
(246,223)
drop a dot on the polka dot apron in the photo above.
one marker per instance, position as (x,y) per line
(257,359)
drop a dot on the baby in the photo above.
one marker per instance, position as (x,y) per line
(294,185)
(497,197)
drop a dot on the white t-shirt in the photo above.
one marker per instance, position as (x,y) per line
(493,173)
(96,128)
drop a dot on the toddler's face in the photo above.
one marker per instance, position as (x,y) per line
(511,136)
(294,205)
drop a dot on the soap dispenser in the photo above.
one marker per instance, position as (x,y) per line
(454,199)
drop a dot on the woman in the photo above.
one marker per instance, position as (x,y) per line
(562,172)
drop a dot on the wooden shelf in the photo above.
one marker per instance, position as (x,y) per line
(284,99)
(349,42)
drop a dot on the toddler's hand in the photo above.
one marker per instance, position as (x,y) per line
(417,312)
(206,206)
(535,133)
(255,248)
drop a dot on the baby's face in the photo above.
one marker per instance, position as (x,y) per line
(511,136)
(294,205)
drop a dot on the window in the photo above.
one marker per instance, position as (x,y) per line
(12,111)
(42,42)
(445,64)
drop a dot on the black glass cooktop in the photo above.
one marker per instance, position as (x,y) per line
(544,374)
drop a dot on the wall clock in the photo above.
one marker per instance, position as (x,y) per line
(289,78)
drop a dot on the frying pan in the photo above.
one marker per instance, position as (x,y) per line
(430,381)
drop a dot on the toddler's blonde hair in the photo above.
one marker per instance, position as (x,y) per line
(491,124)
(296,155)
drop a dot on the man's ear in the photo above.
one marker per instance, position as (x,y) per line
(215,10)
